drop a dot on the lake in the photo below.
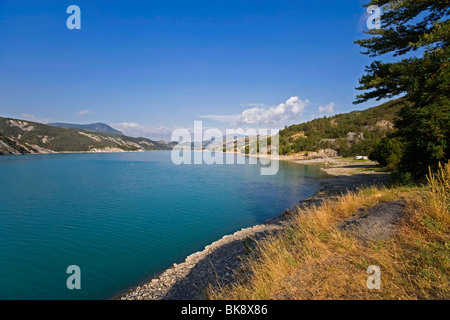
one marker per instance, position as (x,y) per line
(124,217)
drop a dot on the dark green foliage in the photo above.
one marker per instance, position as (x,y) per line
(363,147)
(367,126)
(13,144)
(388,152)
(344,147)
(424,79)
(402,179)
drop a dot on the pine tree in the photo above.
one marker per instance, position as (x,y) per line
(418,31)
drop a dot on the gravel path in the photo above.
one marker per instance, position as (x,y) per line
(375,223)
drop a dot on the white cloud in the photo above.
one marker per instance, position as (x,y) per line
(84,112)
(127,125)
(285,113)
(222,118)
(246,105)
(31,117)
(329,108)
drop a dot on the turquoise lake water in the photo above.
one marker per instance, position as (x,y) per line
(124,217)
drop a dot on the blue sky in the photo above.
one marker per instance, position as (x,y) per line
(147,67)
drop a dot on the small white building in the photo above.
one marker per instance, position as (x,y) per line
(361,158)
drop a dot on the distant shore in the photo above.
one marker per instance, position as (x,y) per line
(214,265)
(79,152)
(333,165)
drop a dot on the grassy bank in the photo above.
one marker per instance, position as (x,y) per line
(314,259)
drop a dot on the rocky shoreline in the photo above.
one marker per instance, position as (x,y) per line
(214,266)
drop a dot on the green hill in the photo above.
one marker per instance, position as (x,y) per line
(98,127)
(21,137)
(349,134)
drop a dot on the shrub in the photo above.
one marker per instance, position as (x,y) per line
(388,152)
(402,179)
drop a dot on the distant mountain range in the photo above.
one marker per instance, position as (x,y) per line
(347,134)
(98,127)
(27,137)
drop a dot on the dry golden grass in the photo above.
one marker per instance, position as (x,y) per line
(313,259)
